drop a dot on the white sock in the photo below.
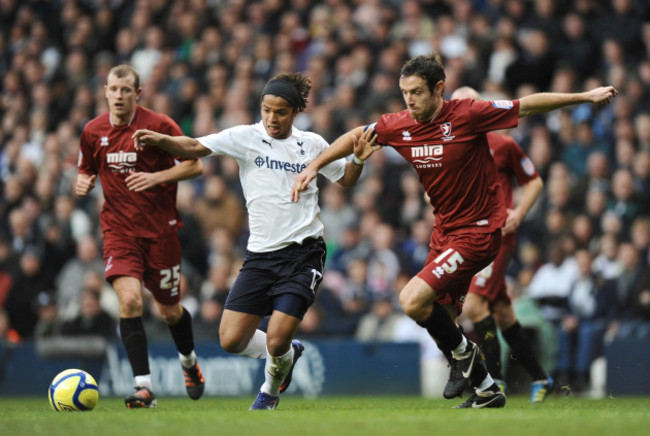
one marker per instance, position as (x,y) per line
(486,383)
(275,370)
(189,360)
(144,381)
(460,349)
(256,347)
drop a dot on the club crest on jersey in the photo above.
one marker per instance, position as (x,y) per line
(502,104)
(103,142)
(446,132)
(406,135)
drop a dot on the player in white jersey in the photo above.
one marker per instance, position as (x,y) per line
(286,252)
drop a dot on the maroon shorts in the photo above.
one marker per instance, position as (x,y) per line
(454,259)
(154,261)
(490,282)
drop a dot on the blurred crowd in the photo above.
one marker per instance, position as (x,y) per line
(582,254)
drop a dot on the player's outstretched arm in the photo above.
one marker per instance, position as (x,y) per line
(363,148)
(547,101)
(186,169)
(342,147)
(183,146)
(84,184)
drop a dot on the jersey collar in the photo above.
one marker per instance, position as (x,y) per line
(110,118)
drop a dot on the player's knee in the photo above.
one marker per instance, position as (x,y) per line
(231,343)
(411,306)
(475,313)
(130,306)
(171,314)
(278,344)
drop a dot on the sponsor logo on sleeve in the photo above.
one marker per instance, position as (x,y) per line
(528,166)
(502,104)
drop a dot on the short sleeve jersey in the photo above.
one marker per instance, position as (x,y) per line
(451,157)
(108,151)
(267,170)
(512,164)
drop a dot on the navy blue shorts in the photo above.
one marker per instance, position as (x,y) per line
(292,273)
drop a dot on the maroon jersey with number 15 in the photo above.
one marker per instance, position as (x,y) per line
(451,156)
(107,151)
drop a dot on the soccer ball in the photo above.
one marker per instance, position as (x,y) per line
(72,390)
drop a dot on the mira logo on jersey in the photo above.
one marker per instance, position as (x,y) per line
(272,164)
(122,162)
(427,156)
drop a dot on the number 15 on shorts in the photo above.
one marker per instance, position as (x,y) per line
(447,262)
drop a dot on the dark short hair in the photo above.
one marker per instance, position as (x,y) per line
(302,84)
(427,67)
(124,71)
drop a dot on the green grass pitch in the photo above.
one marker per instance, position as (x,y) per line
(332,416)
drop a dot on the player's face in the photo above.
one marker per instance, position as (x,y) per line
(277,116)
(122,96)
(420,101)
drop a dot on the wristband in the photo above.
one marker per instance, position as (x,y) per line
(357,161)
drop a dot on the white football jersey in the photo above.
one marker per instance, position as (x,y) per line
(267,170)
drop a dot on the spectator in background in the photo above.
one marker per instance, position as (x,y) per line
(92,320)
(577,154)
(577,48)
(383,263)
(191,235)
(218,207)
(49,323)
(606,263)
(549,286)
(336,214)
(23,231)
(9,267)
(206,324)
(595,206)
(378,325)
(580,335)
(70,280)
(624,201)
(630,296)
(641,172)
(597,177)
(640,238)
(20,303)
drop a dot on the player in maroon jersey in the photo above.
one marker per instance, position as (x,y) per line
(487,303)
(446,143)
(139,225)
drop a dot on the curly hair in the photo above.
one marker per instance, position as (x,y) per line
(302,84)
